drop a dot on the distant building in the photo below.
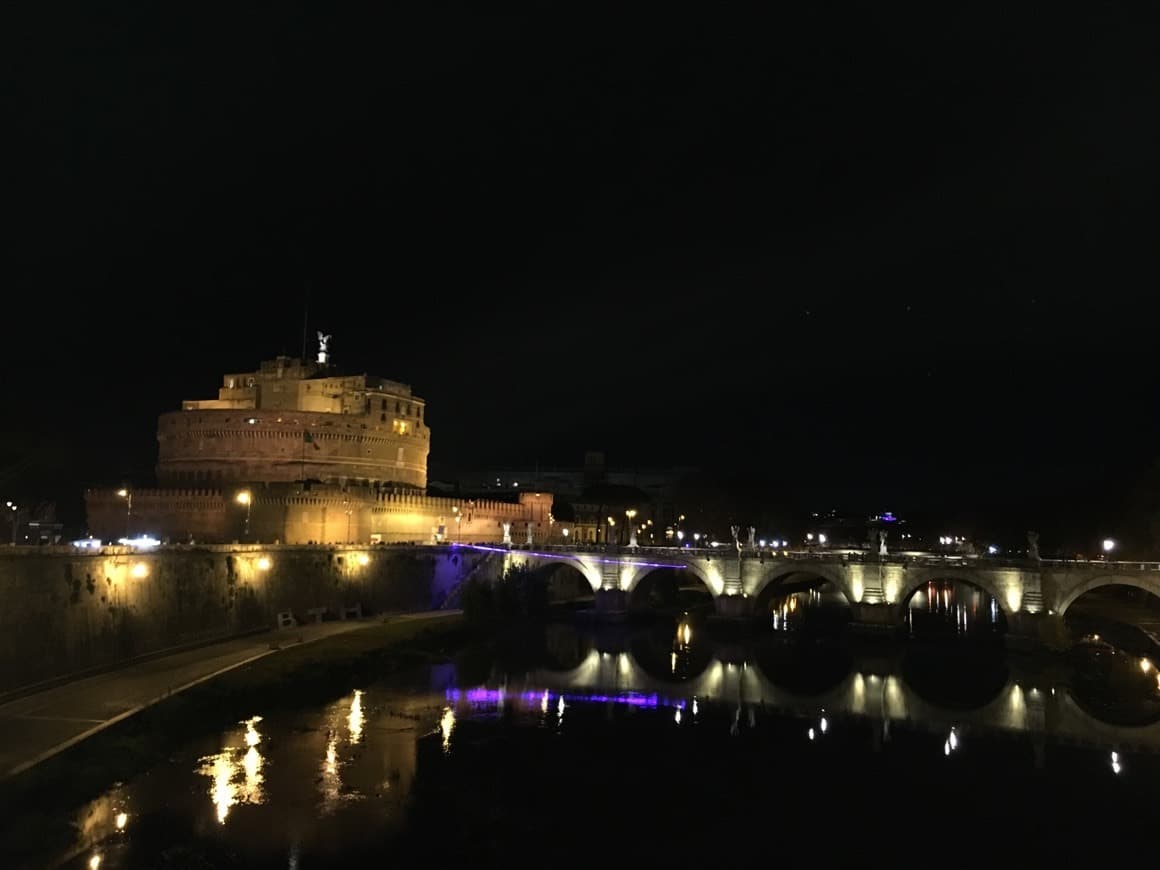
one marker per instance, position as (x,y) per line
(859,531)
(586,496)
(299,452)
(30,525)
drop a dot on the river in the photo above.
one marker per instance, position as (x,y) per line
(661,742)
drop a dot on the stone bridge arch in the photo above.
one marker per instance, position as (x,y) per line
(1149,581)
(585,564)
(638,571)
(917,577)
(777,572)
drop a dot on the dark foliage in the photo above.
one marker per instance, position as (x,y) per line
(521,595)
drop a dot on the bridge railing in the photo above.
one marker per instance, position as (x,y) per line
(856,556)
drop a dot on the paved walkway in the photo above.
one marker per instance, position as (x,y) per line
(37,726)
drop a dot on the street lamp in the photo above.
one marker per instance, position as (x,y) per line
(245,497)
(564,532)
(127,494)
(1108,545)
(631,513)
(12,507)
(611,526)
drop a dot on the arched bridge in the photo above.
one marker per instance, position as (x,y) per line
(877,587)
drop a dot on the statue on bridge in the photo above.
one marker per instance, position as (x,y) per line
(752,534)
(882,542)
(507,533)
(736,541)
(1033,546)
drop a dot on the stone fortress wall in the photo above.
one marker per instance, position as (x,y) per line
(296,514)
(68,610)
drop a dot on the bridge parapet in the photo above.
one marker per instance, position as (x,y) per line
(877,587)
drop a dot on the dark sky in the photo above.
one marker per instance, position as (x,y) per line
(853,256)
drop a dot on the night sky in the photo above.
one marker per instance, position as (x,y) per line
(848,258)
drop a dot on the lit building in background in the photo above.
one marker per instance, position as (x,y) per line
(298,452)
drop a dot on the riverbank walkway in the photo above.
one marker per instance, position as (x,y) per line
(38,725)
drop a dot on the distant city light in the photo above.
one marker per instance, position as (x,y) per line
(1109,545)
(88,543)
(142,542)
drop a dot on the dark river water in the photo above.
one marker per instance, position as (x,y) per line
(660,743)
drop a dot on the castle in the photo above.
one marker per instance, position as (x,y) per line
(297,452)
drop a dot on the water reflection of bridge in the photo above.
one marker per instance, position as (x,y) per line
(1044,713)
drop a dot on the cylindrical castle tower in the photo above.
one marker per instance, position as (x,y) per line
(291,421)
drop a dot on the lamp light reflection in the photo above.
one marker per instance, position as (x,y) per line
(356,717)
(446,724)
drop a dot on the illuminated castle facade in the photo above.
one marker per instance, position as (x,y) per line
(290,421)
(297,452)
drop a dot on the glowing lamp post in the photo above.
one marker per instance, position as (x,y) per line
(631,513)
(1108,546)
(12,507)
(245,497)
(127,494)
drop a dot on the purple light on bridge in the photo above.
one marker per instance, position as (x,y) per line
(493,697)
(563,556)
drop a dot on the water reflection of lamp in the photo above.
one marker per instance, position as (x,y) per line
(356,717)
(447,724)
